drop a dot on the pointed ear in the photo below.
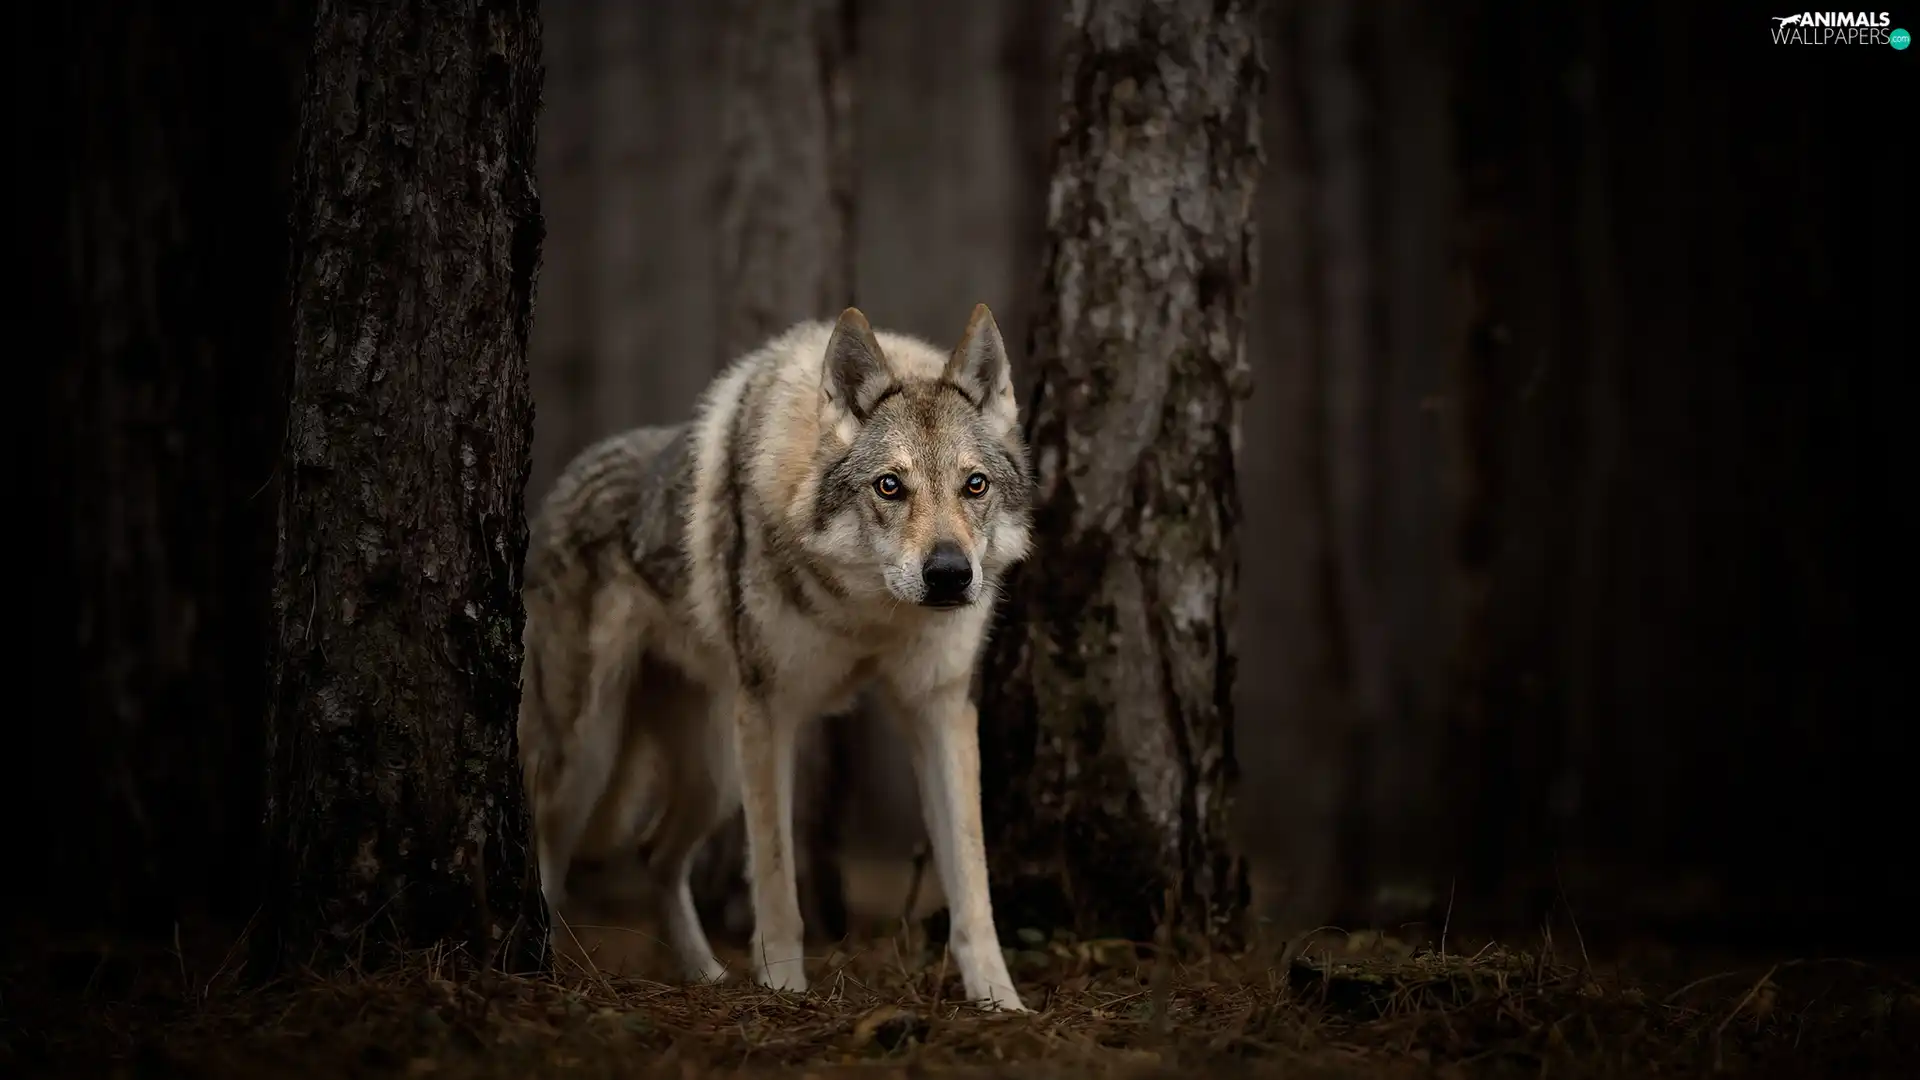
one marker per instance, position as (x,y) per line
(855,373)
(980,368)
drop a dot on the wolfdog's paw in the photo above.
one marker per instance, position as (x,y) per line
(785,975)
(1003,999)
(553,883)
(710,970)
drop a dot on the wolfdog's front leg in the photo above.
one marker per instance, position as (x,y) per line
(765,740)
(946,757)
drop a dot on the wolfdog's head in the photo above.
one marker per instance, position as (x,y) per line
(928,481)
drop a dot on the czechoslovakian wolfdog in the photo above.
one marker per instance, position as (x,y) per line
(837,518)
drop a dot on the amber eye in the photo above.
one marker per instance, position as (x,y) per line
(888,486)
(977,485)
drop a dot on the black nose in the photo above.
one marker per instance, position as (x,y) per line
(947,573)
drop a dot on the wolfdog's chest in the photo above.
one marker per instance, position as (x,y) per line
(806,667)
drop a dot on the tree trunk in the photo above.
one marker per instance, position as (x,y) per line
(157,248)
(629,145)
(1030,50)
(1107,710)
(1666,435)
(561,355)
(394,794)
(786,203)
(785,254)
(943,166)
(1349,606)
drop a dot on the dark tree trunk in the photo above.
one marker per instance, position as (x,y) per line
(156,255)
(1345,466)
(1506,139)
(1670,422)
(1031,52)
(394,793)
(1107,712)
(785,254)
(629,144)
(568,384)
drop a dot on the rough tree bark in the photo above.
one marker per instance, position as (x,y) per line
(394,797)
(1107,709)
(156,247)
(785,254)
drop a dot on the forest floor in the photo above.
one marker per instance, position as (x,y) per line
(1344,1006)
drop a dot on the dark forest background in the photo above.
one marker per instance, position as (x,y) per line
(1572,573)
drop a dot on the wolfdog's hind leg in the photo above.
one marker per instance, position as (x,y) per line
(697,792)
(593,744)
